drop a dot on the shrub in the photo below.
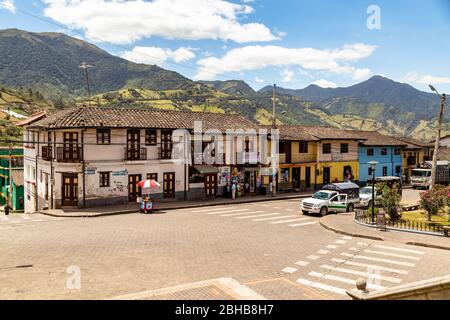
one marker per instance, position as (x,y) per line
(391,202)
(434,200)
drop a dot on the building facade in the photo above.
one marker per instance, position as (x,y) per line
(88,156)
(12,180)
(414,153)
(385,150)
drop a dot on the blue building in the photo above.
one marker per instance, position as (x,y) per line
(385,150)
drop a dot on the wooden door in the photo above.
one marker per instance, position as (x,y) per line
(133,190)
(308,177)
(166,145)
(211,184)
(296,176)
(70,189)
(71,146)
(326,175)
(133,144)
(169,185)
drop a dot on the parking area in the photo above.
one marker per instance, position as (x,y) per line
(269,248)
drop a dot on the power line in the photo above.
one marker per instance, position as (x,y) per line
(224,76)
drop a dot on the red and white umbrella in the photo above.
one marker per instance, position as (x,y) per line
(148,184)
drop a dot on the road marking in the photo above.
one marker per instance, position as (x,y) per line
(14,221)
(25,217)
(361,273)
(258,215)
(343,280)
(266,219)
(4,218)
(322,286)
(227,211)
(388,254)
(363,244)
(332,246)
(287,221)
(347,238)
(289,270)
(399,249)
(302,263)
(239,214)
(313,257)
(209,209)
(37,220)
(340,241)
(357,264)
(303,224)
(399,263)
(323,252)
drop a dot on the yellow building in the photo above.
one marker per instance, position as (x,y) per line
(313,156)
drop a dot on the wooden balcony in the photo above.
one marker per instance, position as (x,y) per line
(411,161)
(69,154)
(47,153)
(135,154)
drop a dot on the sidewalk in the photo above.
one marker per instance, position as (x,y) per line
(134,207)
(344,224)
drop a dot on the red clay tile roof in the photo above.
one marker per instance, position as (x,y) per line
(375,138)
(414,143)
(94,117)
(33,118)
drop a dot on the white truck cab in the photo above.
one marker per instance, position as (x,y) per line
(325,201)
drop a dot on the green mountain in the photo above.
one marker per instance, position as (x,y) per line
(49,62)
(235,87)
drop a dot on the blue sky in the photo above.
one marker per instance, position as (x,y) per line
(292,43)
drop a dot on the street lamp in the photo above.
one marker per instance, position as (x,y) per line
(373,167)
(438,137)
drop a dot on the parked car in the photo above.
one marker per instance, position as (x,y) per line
(334,197)
(366,196)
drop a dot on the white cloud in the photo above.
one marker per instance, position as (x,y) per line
(325,83)
(8,5)
(154,55)
(122,21)
(415,77)
(258,57)
(287,75)
(259,80)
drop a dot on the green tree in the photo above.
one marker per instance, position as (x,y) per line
(434,200)
(391,202)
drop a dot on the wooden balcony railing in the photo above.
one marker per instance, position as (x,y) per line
(69,154)
(135,154)
(47,153)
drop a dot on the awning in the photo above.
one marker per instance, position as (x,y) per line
(207,169)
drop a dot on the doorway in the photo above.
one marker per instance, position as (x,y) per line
(70,189)
(133,190)
(296,177)
(326,175)
(169,185)
(308,177)
(211,184)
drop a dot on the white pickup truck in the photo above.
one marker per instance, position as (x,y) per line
(366,196)
(325,201)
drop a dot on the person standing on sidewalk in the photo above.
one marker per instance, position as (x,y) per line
(7,209)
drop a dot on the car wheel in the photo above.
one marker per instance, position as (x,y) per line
(323,211)
(305,212)
(351,207)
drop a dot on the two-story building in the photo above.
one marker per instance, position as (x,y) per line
(12,158)
(386,150)
(413,154)
(91,156)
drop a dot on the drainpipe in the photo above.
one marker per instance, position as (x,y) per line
(36,173)
(83,167)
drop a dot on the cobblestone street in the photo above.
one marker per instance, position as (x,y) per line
(262,250)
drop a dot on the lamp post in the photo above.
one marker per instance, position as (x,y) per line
(438,137)
(86,67)
(373,167)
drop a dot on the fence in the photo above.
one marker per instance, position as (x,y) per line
(365,217)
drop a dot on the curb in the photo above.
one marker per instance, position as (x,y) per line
(181,206)
(356,235)
(426,245)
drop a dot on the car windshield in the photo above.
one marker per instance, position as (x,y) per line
(322,195)
(366,190)
(421,173)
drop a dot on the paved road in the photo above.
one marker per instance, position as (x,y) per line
(265,249)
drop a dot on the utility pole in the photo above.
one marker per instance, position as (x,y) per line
(86,67)
(438,137)
(10,177)
(274,155)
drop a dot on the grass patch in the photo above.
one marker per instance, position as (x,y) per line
(421,216)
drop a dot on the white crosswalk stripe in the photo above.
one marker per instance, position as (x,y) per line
(365,265)
(209,209)
(322,286)
(289,221)
(4,218)
(399,249)
(25,217)
(358,256)
(259,215)
(238,214)
(362,273)
(273,218)
(226,211)
(343,280)
(303,224)
(289,270)
(387,254)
